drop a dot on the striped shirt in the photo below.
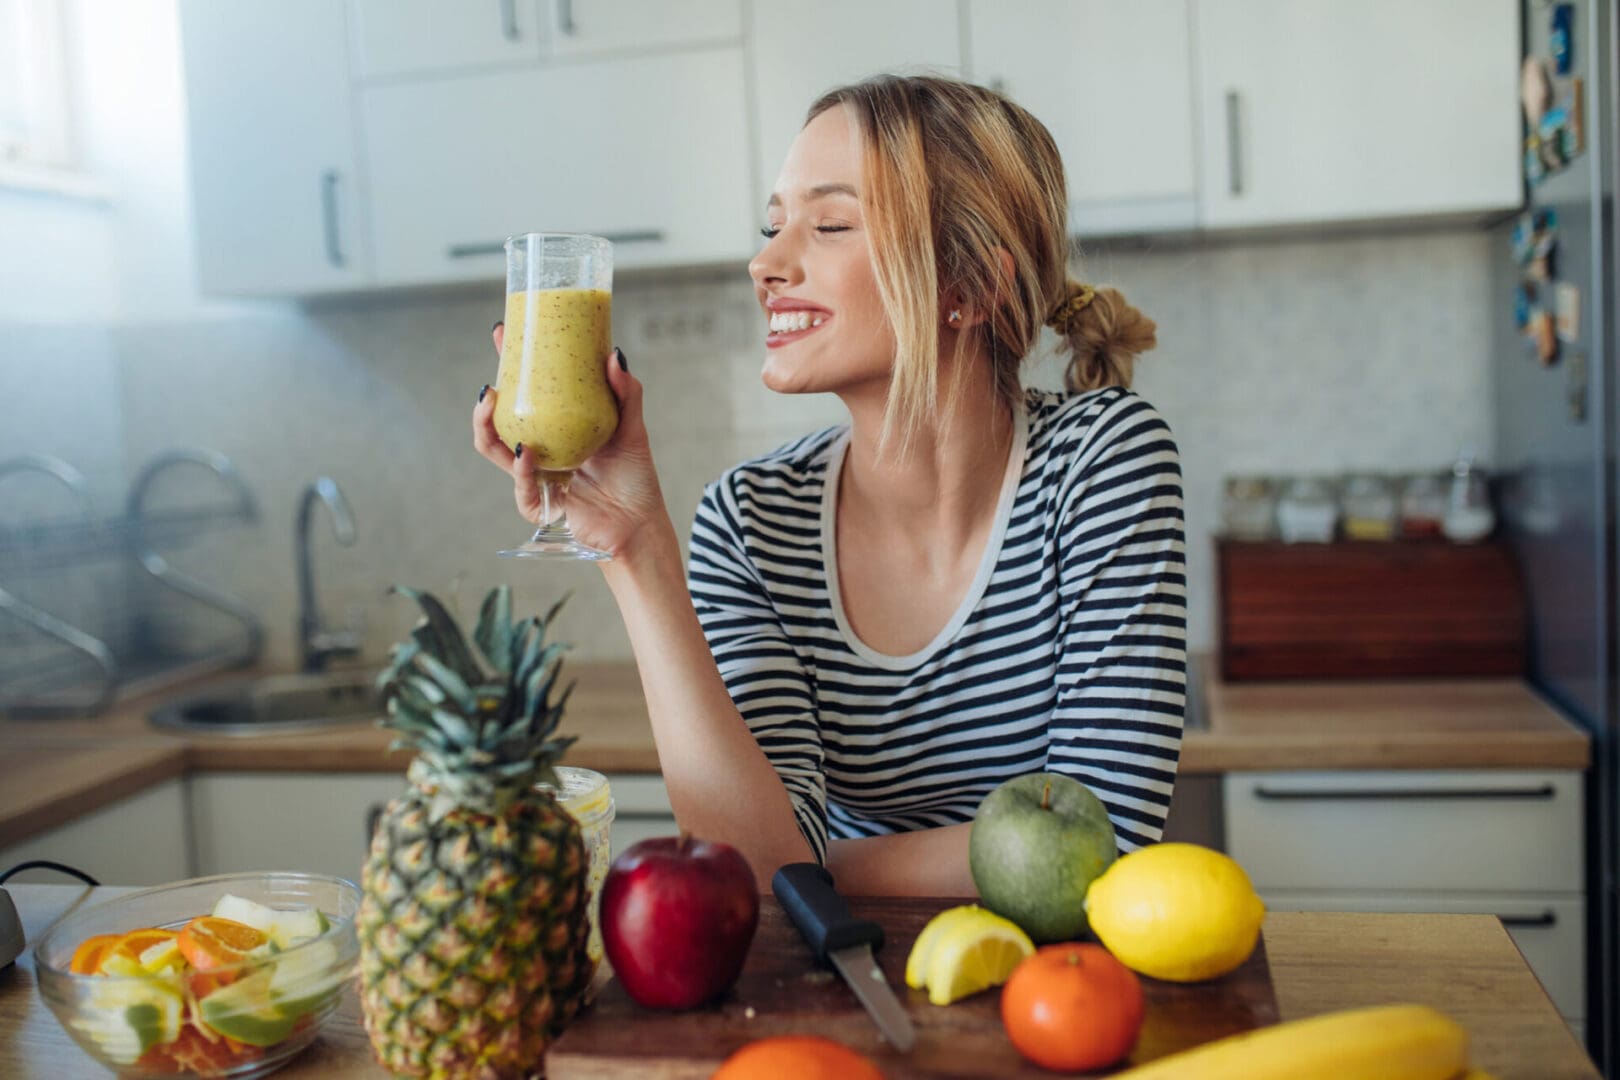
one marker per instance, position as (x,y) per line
(1067,655)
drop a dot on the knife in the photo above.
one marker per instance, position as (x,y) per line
(805,891)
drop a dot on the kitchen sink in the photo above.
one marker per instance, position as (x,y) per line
(275,703)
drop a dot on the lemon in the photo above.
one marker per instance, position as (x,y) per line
(923,947)
(974,952)
(1174,911)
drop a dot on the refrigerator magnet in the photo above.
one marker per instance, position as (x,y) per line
(1567,310)
(1545,335)
(1535,89)
(1561,38)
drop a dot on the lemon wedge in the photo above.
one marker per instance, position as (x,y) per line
(973,953)
(923,947)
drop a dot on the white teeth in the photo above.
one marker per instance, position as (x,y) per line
(786,322)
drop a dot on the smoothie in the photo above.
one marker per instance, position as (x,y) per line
(552,391)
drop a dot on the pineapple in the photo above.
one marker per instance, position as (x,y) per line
(473,924)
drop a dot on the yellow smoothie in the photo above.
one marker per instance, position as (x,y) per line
(552,390)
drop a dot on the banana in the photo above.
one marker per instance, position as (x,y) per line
(1385,1042)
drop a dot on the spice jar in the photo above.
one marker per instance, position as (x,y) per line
(1423,506)
(585,794)
(1308,511)
(1249,508)
(1369,507)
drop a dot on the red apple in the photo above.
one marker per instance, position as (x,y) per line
(678,915)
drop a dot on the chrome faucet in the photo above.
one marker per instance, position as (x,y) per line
(317,645)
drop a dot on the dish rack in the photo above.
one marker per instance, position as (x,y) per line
(132,607)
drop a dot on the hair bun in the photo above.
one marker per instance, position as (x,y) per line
(1105,336)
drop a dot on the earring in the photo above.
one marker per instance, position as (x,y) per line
(954,317)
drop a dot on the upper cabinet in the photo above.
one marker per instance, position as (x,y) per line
(457,165)
(1321,111)
(278,202)
(589,27)
(1112,81)
(412,37)
(796,58)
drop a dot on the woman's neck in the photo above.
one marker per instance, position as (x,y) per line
(950,480)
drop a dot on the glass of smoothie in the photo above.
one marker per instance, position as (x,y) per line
(552,391)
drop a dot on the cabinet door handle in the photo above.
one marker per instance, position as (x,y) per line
(634,236)
(1544,791)
(329,216)
(1546,918)
(565,18)
(1234,143)
(509,23)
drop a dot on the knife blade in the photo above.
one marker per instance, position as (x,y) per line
(848,944)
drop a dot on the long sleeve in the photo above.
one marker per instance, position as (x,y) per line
(767,680)
(1122,660)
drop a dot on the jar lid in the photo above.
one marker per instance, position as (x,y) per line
(584,792)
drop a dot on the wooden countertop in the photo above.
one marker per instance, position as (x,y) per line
(54,770)
(1464,965)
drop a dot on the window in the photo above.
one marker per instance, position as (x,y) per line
(36,143)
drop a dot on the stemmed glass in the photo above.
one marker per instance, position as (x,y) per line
(552,392)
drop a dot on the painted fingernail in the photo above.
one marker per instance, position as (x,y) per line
(519,451)
(482,392)
(496,323)
(624,365)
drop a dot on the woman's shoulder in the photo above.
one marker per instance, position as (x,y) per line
(789,477)
(1071,425)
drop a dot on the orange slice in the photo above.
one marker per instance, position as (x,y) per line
(123,957)
(87,957)
(209,941)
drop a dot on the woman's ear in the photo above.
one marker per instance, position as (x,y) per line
(966,314)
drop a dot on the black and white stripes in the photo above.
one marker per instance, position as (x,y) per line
(1068,653)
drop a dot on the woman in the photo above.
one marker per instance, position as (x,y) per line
(881,623)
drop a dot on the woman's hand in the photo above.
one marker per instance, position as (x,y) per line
(614,496)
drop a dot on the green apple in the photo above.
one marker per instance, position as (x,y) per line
(1036,844)
(126,1016)
(306,978)
(244,1011)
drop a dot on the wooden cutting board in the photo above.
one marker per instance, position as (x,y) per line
(783,991)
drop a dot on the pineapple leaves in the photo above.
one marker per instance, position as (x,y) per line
(439,636)
(495,629)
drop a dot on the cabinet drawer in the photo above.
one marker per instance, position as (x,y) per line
(1481,831)
(1549,930)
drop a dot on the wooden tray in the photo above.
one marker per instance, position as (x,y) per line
(782,991)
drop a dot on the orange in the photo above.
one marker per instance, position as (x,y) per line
(87,957)
(1072,1008)
(802,1057)
(210,942)
(129,947)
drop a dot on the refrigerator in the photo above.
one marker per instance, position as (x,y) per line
(1557,411)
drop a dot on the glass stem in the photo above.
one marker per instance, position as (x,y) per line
(553,488)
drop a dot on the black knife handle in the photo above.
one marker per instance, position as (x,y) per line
(805,891)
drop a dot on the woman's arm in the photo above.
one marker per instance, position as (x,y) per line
(929,862)
(721,784)
(1122,585)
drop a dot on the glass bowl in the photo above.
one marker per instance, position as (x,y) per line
(240,1019)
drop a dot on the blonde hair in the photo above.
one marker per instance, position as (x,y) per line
(954,175)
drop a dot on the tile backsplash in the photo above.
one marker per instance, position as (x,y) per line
(1319,355)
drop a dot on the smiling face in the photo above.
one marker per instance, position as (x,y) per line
(827,330)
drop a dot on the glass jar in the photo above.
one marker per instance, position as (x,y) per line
(1308,511)
(1423,506)
(588,799)
(1369,507)
(1469,515)
(1249,508)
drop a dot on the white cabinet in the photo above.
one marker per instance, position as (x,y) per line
(276,193)
(318,823)
(1320,110)
(795,58)
(141,840)
(1499,842)
(1112,81)
(412,37)
(587,27)
(648,151)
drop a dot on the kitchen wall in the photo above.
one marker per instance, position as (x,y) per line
(1274,356)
